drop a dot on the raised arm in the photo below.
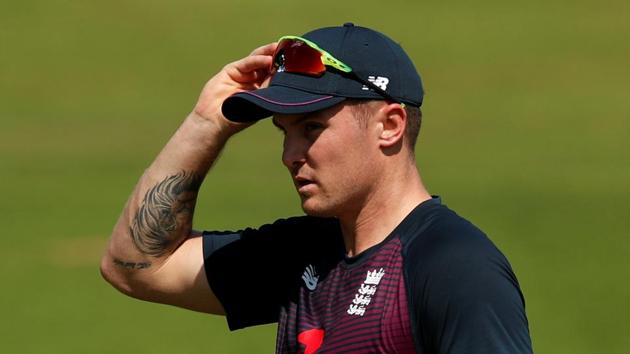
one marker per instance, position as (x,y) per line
(153,253)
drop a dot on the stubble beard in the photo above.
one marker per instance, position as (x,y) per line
(317,205)
(328,206)
(310,207)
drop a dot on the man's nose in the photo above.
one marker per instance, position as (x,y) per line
(293,153)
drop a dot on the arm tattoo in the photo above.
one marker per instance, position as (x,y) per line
(131,265)
(165,212)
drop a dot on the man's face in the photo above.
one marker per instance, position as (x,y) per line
(330,157)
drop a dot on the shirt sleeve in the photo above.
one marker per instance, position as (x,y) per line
(465,296)
(254,272)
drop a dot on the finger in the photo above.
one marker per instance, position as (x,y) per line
(266,49)
(245,69)
(253,63)
(265,82)
(262,75)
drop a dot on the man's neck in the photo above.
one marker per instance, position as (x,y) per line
(382,211)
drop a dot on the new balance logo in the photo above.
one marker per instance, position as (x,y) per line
(310,278)
(380,81)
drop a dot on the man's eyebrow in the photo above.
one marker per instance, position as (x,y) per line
(293,121)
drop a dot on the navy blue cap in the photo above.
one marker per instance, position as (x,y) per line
(371,55)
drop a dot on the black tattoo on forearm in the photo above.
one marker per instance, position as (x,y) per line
(165,214)
(132,265)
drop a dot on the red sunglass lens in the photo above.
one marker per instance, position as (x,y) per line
(295,56)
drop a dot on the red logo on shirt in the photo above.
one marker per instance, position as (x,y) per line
(311,340)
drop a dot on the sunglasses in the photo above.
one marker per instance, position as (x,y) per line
(300,56)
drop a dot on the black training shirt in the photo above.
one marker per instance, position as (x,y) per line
(436,284)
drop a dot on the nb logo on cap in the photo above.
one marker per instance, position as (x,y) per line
(380,81)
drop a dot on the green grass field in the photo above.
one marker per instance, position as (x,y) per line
(525,133)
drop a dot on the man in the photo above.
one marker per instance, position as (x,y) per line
(376,265)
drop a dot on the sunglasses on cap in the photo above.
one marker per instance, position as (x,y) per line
(300,56)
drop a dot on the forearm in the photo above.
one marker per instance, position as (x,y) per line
(151,254)
(158,215)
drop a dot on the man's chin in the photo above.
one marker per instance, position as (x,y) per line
(313,209)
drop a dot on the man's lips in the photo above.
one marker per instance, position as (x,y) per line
(301,182)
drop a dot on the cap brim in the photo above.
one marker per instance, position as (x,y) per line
(248,106)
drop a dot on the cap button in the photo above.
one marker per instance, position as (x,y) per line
(348,24)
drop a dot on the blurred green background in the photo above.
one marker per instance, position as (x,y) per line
(525,133)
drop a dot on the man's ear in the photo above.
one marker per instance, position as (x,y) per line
(393,122)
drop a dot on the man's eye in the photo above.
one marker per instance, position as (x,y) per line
(312,126)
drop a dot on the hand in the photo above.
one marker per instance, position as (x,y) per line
(249,73)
